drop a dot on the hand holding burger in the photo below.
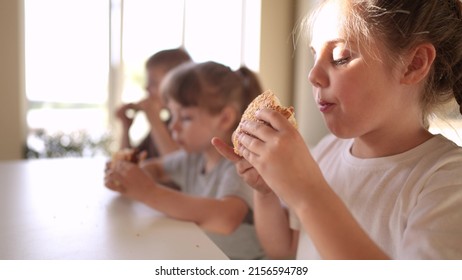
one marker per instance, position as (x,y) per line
(265,100)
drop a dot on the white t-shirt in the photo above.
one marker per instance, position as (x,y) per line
(410,204)
(223,181)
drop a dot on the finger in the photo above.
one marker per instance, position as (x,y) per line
(133,106)
(249,146)
(258,129)
(122,167)
(111,183)
(225,150)
(114,182)
(275,119)
(142,105)
(243,166)
(252,178)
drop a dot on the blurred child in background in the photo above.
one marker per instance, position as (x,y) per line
(205,100)
(158,141)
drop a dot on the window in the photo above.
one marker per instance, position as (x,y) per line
(85,57)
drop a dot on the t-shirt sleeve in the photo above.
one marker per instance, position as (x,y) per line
(233,185)
(175,165)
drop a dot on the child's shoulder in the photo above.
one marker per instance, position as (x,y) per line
(443,152)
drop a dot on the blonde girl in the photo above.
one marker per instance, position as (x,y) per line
(381,186)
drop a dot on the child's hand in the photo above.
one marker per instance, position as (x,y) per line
(279,154)
(151,105)
(243,167)
(126,114)
(129,179)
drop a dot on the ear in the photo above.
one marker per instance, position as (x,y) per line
(227,117)
(419,63)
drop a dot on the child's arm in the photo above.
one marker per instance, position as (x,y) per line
(334,231)
(271,219)
(272,224)
(154,168)
(216,215)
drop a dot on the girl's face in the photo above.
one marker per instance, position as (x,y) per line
(155,75)
(192,127)
(356,93)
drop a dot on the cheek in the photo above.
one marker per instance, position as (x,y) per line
(358,88)
(348,90)
(191,131)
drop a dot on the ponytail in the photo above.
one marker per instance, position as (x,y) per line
(251,86)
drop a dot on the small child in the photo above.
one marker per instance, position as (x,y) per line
(382,186)
(204,99)
(158,141)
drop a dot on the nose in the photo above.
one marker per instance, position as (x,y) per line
(174,124)
(318,76)
(174,128)
(152,91)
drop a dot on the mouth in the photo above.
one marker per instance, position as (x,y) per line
(325,106)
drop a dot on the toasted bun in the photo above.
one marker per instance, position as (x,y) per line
(130,155)
(265,100)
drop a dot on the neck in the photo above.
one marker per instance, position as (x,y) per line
(389,143)
(211,158)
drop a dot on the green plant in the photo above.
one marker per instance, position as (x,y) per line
(42,144)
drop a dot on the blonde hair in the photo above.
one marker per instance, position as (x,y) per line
(399,26)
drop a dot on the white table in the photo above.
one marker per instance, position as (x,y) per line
(60,209)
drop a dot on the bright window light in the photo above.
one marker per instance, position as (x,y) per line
(66,50)
(84,58)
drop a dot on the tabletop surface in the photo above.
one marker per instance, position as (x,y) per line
(60,209)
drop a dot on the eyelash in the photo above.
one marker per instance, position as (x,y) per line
(185,118)
(341,61)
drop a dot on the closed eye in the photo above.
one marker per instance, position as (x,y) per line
(341,61)
(186,118)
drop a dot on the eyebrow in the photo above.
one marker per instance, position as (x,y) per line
(329,43)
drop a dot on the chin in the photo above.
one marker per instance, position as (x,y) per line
(186,148)
(342,132)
